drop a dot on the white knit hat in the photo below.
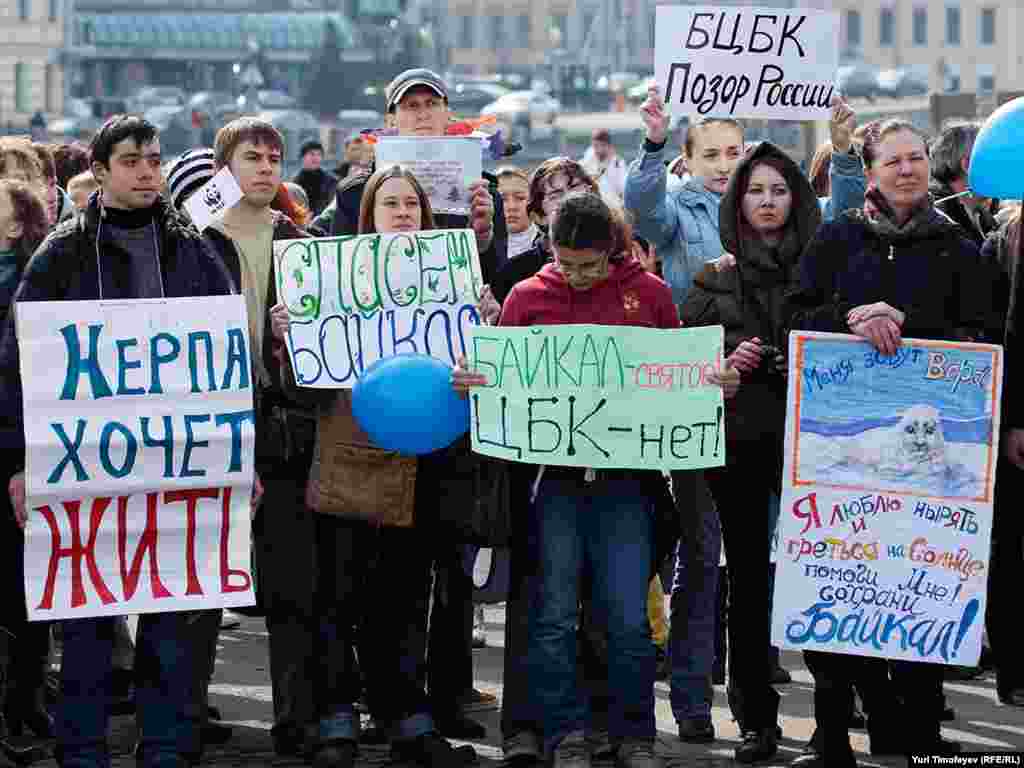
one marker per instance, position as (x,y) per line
(188,173)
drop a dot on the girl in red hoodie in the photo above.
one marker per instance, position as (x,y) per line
(599,521)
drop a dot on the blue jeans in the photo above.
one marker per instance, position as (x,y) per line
(606,526)
(694,612)
(164,683)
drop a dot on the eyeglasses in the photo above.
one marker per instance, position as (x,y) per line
(556,194)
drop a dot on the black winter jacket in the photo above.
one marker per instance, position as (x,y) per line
(938,280)
(65,268)
(350,196)
(749,301)
(283,429)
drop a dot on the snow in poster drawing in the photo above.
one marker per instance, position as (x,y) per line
(887,497)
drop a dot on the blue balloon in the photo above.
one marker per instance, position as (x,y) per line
(997,160)
(406,404)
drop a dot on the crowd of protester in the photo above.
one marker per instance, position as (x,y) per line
(363,583)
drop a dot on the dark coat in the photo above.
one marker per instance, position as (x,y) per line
(319,186)
(749,301)
(938,279)
(65,268)
(283,431)
(955,210)
(350,196)
(1006,248)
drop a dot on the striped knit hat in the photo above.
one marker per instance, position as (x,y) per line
(188,173)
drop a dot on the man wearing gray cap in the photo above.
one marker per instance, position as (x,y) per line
(417,101)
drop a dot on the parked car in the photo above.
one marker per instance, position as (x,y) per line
(470,98)
(528,112)
(151,96)
(857,80)
(903,82)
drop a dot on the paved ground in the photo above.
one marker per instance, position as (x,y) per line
(242,691)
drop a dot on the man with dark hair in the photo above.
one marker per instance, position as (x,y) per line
(318,184)
(284,528)
(128,244)
(951,160)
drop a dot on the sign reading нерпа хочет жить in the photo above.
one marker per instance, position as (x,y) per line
(764,63)
(599,396)
(139,434)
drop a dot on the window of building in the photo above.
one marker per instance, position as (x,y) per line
(54,9)
(524,30)
(952,25)
(920,26)
(951,81)
(467,31)
(887,27)
(50,85)
(497,32)
(988,26)
(853,38)
(23,10)
(21,87)
(560,29)
(986,79)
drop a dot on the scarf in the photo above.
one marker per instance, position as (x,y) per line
(923,223)
(522,241)
(766,274)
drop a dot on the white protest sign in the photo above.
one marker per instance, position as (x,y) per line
(211,201)
(765,63)
(444,166)
(140,431)
(356,299)
(887,497)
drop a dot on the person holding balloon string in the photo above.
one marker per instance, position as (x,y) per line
(604,517)
(374,506)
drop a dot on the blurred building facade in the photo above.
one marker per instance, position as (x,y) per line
(31,75)
(965,46)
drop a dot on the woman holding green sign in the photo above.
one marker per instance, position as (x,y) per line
(372,507)
(600,521)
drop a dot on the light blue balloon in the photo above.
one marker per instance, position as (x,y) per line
(406,404)
(997,160)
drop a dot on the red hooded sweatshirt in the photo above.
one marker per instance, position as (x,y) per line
(629,296)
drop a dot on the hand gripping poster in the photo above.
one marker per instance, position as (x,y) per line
(887,497)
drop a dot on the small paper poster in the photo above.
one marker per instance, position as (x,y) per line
(211,201)
(444,167)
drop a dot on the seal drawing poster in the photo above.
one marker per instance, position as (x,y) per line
(887,496)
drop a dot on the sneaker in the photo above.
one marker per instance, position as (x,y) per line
(336,754)
(479,701)
(599,745)
(813,759)
(460,727)
(432,751)
(635,753)
(662,666)
(758,745)
(229,620)
(572,752)
(697,730)
(521,749)
(479,628)
(781,676)
(1013,697)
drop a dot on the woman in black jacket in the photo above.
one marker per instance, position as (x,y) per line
(907,270)
(768,215)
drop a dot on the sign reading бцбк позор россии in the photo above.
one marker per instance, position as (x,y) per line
(764,63)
